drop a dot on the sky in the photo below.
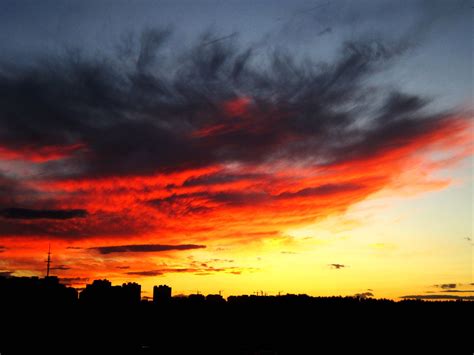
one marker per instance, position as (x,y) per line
(318,147)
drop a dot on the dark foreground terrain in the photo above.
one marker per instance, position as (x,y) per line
(45,323)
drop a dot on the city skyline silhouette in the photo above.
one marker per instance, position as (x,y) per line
(110,318)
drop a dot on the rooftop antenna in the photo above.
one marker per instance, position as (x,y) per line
(48,261)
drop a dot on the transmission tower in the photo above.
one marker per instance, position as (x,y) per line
(48,261)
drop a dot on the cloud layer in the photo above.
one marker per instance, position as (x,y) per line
(145,248)
(24,213)
(228,119)
(154,149)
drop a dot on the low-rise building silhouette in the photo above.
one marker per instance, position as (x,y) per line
(161,294)
(36,291)
(131,292)
(99,291)
(215,299)
(102,292)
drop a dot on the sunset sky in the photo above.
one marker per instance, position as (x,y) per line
(319,147)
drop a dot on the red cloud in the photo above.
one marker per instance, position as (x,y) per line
(40,154)
(223,198)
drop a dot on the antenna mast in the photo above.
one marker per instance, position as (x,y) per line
(48,261)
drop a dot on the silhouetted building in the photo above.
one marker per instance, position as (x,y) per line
(36,291)
(131,292)
(196,298)
(102,292)
(161,293)
(215,299)
(97,292)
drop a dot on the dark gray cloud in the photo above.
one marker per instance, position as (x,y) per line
(7,189)
(459,291)
(446,286)
(337,266)
(201,269)
(145,273)
(13,191)
(145,248)
(454,287)
(61,267)
(149,108)
(322,190)
(6,273)
(438,297)
(101,223)
(364,295)
(197,202)
(221,178)
(165,271)
(73,280)
(26,213)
